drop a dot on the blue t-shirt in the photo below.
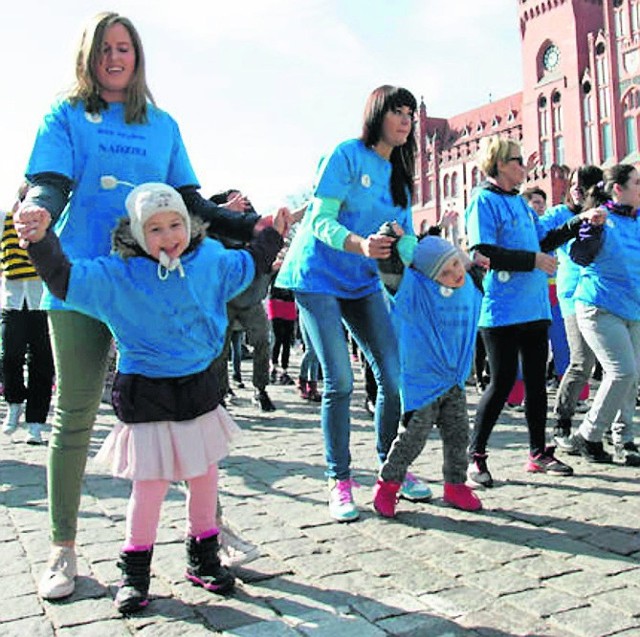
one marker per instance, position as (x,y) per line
(612,280)
(360,179)
(568,272)
(436,328)
(83,148)
(163,328)
(507,221)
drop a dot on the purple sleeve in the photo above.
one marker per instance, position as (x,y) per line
(587,245)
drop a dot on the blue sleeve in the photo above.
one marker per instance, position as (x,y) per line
(481,222)
(335,176)
(91,288)
(53,147)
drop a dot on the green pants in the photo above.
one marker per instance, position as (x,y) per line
(80,348)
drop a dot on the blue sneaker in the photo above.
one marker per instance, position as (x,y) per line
(341,505)
(414,490)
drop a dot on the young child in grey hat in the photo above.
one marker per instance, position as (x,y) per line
(435,305)
(163,292)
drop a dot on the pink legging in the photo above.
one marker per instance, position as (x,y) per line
(145,502)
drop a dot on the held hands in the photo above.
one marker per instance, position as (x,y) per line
(481,260)
(377,246)
(31,223)
(595,216)
(546,263)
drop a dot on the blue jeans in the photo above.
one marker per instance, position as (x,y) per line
(309,365)
(368,320)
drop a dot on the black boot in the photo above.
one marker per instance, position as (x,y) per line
(203,565)
(133,593)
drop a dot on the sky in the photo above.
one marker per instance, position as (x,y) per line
(261,89)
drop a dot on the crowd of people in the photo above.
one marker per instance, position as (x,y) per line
(121,249)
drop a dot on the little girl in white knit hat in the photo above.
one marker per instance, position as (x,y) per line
(163,293)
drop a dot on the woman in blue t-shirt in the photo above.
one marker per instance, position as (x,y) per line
(107,129)
(515,314)
(331,267)
(607,301)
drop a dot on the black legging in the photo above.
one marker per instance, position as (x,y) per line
(25,336)
(283,330)
(503,345)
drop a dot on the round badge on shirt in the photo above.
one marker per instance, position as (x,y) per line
(365,180)
(445,291)
(503,276)
(94,118)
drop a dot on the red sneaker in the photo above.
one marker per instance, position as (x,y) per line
(385,497)
(461,497)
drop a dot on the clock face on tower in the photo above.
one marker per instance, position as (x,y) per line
(551,57)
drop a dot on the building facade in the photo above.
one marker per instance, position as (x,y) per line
(579,104)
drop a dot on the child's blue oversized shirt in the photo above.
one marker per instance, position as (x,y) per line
(169,328)
(436,329)
(83,148)
(507,221)
(359,178)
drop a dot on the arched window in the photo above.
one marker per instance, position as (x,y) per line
(545,132)
(635,17)
(446,186)
(475,176)
(454,185)
(631,114)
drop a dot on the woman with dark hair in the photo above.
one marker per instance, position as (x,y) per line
(581,359)
(607,300)
(106,129)
(331,266)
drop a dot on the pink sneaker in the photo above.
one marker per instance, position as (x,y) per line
(461,497)
(385,497)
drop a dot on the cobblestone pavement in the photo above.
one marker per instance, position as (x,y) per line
(548,556)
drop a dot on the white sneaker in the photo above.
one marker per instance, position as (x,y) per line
(342,508)
(34,433)
(235,551)
(12,419)
(58,580)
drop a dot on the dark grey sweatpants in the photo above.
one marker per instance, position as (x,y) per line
(449,413)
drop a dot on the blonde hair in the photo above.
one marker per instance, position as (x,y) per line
(86,88)
(491,150)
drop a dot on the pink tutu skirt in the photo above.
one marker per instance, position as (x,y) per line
(168,450)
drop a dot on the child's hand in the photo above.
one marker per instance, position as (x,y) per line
(480,260)
(31,223)
(397,228)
